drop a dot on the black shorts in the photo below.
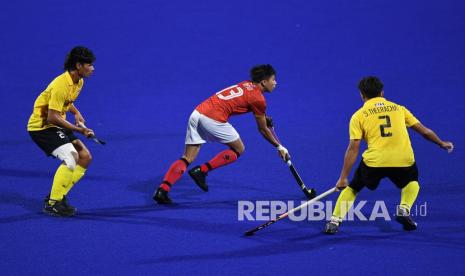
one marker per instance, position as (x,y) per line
(51,138)
(371,176)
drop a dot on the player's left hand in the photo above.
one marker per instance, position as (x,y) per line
(342,183)
(79,119)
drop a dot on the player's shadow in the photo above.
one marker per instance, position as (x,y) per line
(25,173)
(266,247)
(49,175)
(186,194)
(123,137)
(290,241)
(30,204)
(134,217)
(185,191)
(15,142)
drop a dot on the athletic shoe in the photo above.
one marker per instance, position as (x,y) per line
(403,217)
(333,225)
(199,177)
(59,209)
(161,196)
(65,203)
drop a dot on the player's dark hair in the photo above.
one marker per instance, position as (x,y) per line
(370,87)
(78,54)
(261,72)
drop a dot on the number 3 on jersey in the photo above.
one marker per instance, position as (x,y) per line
(383,127)
(230,93)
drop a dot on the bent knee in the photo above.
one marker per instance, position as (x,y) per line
(239,151)
(188,159)
(85,156)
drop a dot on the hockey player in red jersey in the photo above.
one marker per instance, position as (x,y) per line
(209,122)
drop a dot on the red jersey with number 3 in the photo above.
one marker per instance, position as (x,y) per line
(237,99)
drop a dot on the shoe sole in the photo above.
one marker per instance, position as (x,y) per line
(160,201)
(406,225)
(328,232)
(54,214)
(331,231)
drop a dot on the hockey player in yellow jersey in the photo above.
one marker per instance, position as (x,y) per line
(383,125)
(50,130)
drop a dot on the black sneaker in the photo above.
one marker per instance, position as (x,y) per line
(333,226)
(403,217)
(65,202)
(199,177)
(161,196)
(59,209)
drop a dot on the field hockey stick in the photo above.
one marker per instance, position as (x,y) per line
(284,215)
(93,137)
(309,193)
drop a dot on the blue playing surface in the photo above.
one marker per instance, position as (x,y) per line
(156,60)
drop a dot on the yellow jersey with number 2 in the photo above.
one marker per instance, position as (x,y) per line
(383,125)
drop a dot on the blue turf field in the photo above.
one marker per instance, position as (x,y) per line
(156,60)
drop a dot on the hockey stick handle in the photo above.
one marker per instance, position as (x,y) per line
(95,139)
(294,172)
(284,215)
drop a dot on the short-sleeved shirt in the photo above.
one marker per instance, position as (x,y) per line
(59,95)
(383,125)
(237,99)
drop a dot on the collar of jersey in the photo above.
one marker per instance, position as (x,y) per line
(373,99)
(69,79)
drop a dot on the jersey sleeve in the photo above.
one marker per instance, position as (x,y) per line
(57,98)
(355,128)
(258,107)
(410,120)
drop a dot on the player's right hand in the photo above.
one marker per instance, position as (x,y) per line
(447,146)
(87,132)
(283,153)
(342,183)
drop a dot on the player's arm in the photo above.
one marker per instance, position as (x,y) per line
(268,135)
(55,118)
(77,115)
(349,160)
(430,135)
(264,130)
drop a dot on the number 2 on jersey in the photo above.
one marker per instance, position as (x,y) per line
(383,127)
(230,93)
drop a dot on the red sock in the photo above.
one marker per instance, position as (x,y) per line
(222,159)
(177,169)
